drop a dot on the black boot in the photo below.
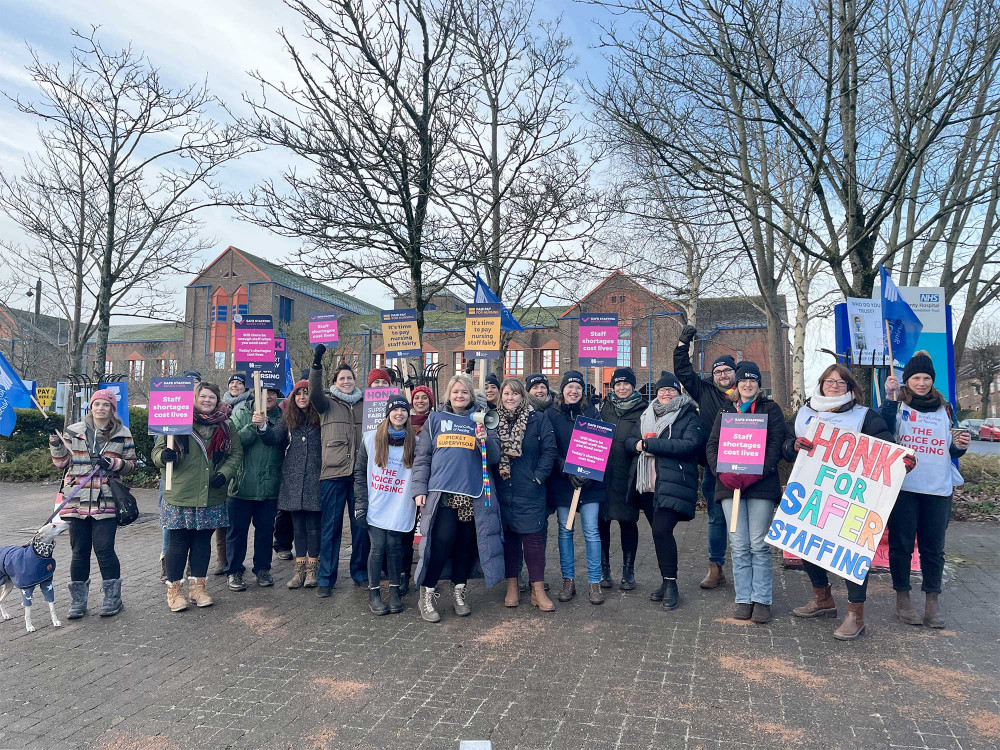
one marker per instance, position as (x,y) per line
(375,603)
(404,584)
(605,569)
(628,572)
(395,603)
(657,596)
(670,595)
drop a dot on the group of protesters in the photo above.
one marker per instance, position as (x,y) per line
(481,491)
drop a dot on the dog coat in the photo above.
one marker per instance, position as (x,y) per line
(27,569)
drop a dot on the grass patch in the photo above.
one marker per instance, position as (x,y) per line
(979,498)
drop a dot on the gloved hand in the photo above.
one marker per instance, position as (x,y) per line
(102,461)
(470,366)
(50,426)
(687,334)
(581,482)
(910,462)
(218,479)
(361,520)
(737,481)
(168,455)
(318,356)
(803,444)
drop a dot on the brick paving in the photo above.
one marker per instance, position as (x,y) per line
(278,668)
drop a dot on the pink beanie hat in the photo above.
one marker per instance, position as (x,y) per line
(105,394)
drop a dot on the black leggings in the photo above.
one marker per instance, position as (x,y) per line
(86,534)
(454,540)
(629,534)
(925,517)
(662,522)
(182,543)
(388,543)
(305,531)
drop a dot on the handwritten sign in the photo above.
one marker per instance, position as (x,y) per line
(323,329)
(375,401)
(742,439)
(171,406)
(598,345)
(254,341)
(838,499)
(482,330)
(399,334)
(589,448)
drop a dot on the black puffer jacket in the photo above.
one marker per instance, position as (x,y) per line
(563,417)
(704,391)
(619,473)
(768,487)
(522,497)
(677,449)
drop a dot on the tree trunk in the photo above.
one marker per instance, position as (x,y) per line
(104,300)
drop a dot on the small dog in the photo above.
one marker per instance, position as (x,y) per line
(28,566)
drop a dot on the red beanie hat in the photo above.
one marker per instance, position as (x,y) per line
(422,389)
(301,384)
(377,374)
(105,394)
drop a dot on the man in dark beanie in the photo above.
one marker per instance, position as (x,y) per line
(710,395)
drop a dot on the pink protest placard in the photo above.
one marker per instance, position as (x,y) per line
(323,329)
(742,438)
(598,345)
(171,406)
(589,448)
(253,338)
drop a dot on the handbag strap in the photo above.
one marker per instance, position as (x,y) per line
(74,493)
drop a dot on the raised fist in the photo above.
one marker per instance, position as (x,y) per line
(318,356)
(687,334)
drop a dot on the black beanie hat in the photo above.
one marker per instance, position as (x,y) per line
(667,380)
(747,371)
(534,379)
(726,360)
(623,375)
(396,401)
(920,363)
(572,376)
(238,376)
(492,379)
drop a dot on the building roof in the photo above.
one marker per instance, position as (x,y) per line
(734,312)
(140,333)
(56,328)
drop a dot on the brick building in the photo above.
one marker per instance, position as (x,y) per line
(970,398)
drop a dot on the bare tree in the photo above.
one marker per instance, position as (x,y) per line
(982,360)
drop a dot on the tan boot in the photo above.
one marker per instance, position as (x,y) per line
(299,576)
(513,594)
(540,599)
(198,594)
(714,577)
(312,565)
(175,596)
(221,559)
(932,612)
(821,605)
(853,625)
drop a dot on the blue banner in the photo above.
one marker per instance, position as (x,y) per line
(11,390)
(904,325)
(485,295)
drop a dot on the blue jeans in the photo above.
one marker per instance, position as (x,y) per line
(336,494)
(241,514)
(753,573)
(717,529)
(589,515)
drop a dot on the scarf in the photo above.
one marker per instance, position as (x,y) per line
(931,402)
(220,442)
(348,398)
(540,404)
(417,420)
(746,407)
(654,420)
(623,406)
(397,434)
(511,432)
(819,402)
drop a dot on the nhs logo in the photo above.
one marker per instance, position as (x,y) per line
(930,297)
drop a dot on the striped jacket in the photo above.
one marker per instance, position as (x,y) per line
(94,500)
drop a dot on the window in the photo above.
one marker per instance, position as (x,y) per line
(459,362)
(241,309)
(624,352)
(284,309)
(220,360)
(550,361)
(514,362)
(643,356)
(220,313)
(378,360)
(430,358)
(167,366)
(135,368)
(108,367)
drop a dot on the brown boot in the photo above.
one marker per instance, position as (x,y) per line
(312,565)
(714,577)
(513,594)
(198,594)
(299,576)
(595,594)
(175,596)
(821,605)
(932,612)
(853,625)
(540,599)
(904,609)
(221,560)
(568,590)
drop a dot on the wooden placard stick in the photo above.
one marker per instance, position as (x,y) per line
(168,474)
(736,511)
(257,395)
(572,508)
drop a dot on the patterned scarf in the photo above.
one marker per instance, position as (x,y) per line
(511,432)
(625,405)
(657,418)
(221,441)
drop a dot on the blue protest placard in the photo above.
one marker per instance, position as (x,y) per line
(120,389)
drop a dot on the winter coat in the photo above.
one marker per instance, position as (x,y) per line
(560,490)
(259,477)
(768,487)
(873,425)
(704,391)
(300,470)
(620,471)
(23,566)
(489,532)
(340,424)
(94,500)
(677,449)
(189,484)
(522,497)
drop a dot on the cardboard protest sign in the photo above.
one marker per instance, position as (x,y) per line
(742,439)
(171,406)
(589,448)
(400,334)
(375,401)
(598,344)
(323,329)
(253,337)
(865,325)
(482,331)
(838,500)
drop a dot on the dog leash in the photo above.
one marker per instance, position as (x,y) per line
(74,493)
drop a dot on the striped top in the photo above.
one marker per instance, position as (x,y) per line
(94,500)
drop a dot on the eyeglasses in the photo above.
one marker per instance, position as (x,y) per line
(833,383)
(723,371)
(670,391)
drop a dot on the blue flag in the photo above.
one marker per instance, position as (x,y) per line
(11,390)
(484,295)
(289,382)
(904,325)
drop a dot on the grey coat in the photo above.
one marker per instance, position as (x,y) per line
(301,469)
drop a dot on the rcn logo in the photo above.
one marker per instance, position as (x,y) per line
(909,416)
(930,297)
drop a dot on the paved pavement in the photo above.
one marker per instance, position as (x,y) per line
(276,668)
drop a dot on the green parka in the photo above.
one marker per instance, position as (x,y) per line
(259,477)
(189,484)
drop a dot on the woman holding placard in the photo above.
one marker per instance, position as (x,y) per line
(923,507)
(195,506)
(422,401)
(668,440)
(753,574)
(834,401)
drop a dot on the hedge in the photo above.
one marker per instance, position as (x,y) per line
(28,434)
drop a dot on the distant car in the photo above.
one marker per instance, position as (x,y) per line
(990,430)
(972,425)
